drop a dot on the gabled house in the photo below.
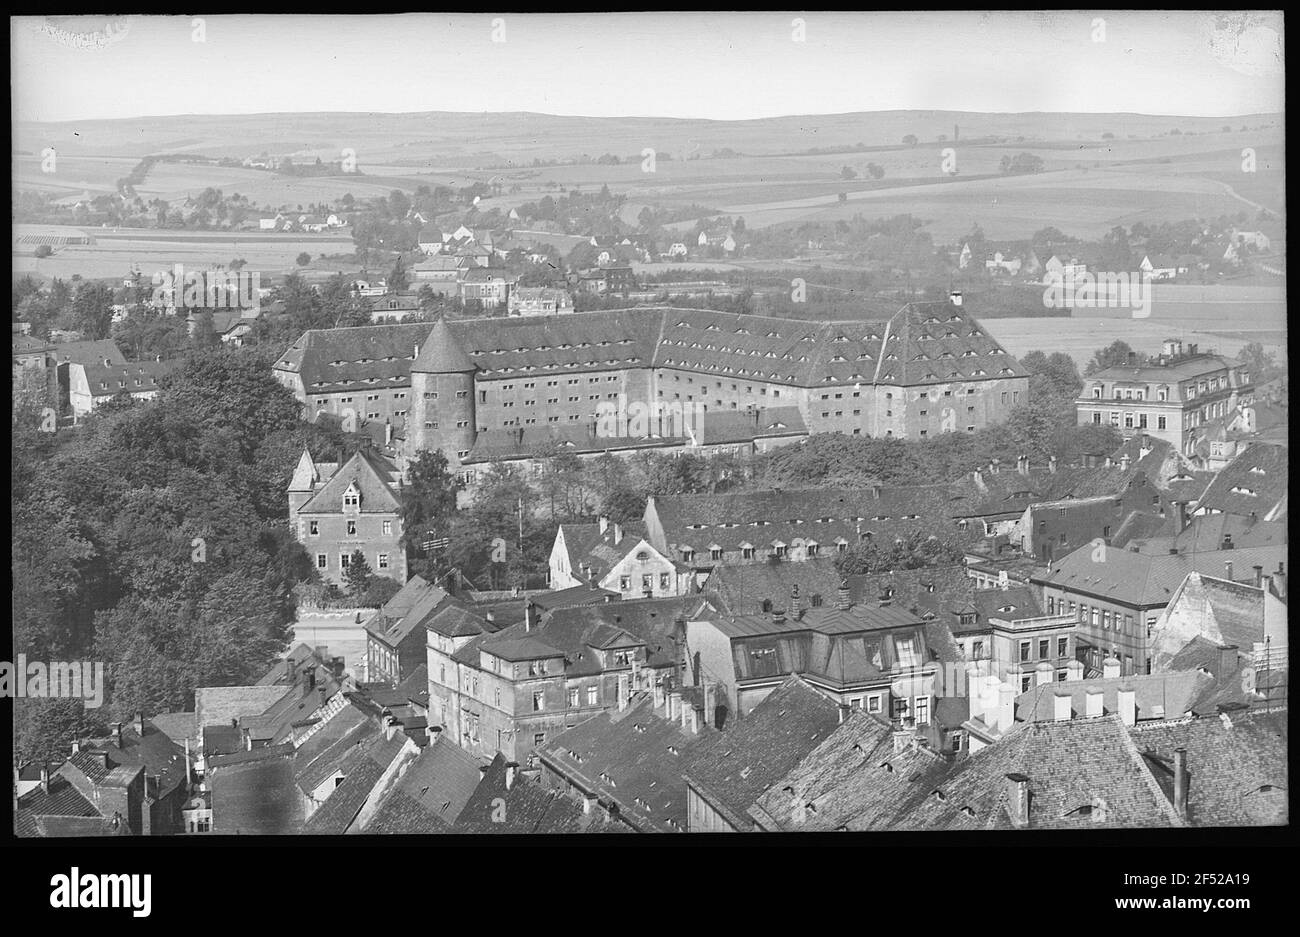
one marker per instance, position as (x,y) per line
(335,510)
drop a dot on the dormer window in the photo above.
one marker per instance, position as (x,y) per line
(352,497)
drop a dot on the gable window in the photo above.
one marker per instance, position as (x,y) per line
(351,498)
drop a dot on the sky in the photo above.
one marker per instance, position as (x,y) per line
(723,66)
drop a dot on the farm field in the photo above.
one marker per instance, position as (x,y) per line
(115,252)
(1079,337)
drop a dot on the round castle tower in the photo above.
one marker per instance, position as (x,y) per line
(442,398)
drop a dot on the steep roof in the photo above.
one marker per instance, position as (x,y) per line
(523,807)
(632,759)
(441,352)
(340,809)
(734,768)
(1255,482)
(1237,766)
(377,495)
(1157,695)
(927,343)
(431,793)
(1081,774)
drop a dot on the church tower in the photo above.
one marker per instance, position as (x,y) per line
(442,410)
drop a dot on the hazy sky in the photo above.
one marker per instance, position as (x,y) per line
(723,66)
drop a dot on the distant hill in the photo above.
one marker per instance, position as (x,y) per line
(463,139)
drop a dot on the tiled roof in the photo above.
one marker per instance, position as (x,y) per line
(575,595)
(431,792)
(1157,695)
(825,515)
(255,792)
(524,807)
(409,609)
(632,759)
(1255,482)
(921,343)
(1142,580)
(340,809)
(1081,774)
(733,769)
(370,474)
(1237,766)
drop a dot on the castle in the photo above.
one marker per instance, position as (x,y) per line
(482,390)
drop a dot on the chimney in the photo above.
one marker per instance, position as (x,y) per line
(1006,707)
(45,778)
(117,733)
(695,721)
(1062,707)
(1051,465)
(1110,668)
(1093,702)
(512,769)
(1022,464)
(844,712)
(530,616)
(1227,570)
(189,767)
(604,524)
(954,296)
(842,601)
(1180,782)
(1018,800)
(1074,671)
(139,717)
(1124,462)
(482,771)
(796,606)
(1043,674)
(1259,577)
(1227,542)
(388,433)
(1127,700)
(1227,660)
(778,616)
(618,534)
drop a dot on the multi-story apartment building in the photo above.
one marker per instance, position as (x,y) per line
(511,690)
(927,370)
(335,510)
(874,657)
(1118,595)
(1168,398)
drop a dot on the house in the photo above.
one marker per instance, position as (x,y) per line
(1057,528)
(229,325)
(1010,631)
(1004,263)
(1226,613)
(1076,774)
(35,368)
(268,224)
(1167,398)
(727,772)
(395,637)
(707,531)
(510,690)
(874,656)
(539,301)
(1254,485)
(92,373)
(677,250)
(615,557)
(508,801)
(625,766)
(368,769)
(1161,266)
(1118,595)
(394,307)
(429,795)
(489,287)
(963,258)
(338,509)
(1255,241)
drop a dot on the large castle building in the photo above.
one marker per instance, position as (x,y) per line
(483,390)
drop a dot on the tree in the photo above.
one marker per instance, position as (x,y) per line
(1261,364)
(43,250)
(357,577)
(429,500)
(1021,163)
(848,172)
(304,259)
(910,139)
(398,279)
(1116,353)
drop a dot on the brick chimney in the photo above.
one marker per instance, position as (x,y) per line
(842,601)
(530,616)
(796,605)
(1259,577)
(1180,782)
(1018,800)
(1110,668)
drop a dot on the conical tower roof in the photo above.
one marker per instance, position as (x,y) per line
(441,353)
